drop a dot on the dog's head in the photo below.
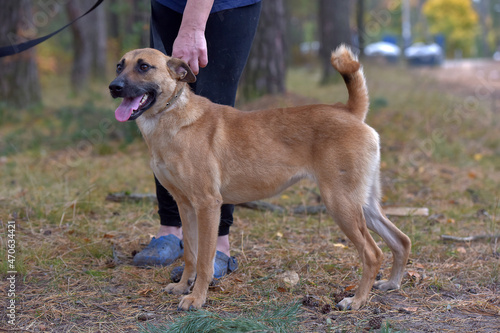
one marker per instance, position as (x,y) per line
(146,79)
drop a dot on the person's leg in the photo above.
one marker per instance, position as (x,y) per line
(229,36)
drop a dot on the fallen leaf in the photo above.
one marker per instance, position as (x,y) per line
(279,234)
(478,157)
(108,236)
(340,245)
(419,266)
(461,249)
(348,288)
(284,196)
(414,276)
(472,175)
(450,221)
(281,289)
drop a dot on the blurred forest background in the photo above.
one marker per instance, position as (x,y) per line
(292,33)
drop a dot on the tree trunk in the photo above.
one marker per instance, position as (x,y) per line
(334,29)
(140,18)
(266,68)
(99,48)
(113,19)
(360,18)
(485,23)
(19,82)
(82,46)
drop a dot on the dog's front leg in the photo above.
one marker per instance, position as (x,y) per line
(208,217)
(190,236)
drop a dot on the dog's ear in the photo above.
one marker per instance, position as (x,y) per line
(181,70)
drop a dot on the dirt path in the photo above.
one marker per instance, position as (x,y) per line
(479,77)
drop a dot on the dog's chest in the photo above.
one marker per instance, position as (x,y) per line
(170,170)
(147,125)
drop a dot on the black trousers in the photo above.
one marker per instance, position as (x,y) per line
(229,36)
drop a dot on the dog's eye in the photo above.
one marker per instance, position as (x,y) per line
(119,68)
(144,67)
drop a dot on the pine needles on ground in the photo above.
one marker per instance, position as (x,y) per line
(388,329)
(280,320)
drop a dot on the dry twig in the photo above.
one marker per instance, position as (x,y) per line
(469,238)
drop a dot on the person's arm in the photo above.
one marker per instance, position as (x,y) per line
(190,44)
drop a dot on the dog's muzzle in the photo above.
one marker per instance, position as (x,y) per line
(135,100)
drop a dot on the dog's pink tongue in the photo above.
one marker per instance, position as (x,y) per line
(126,108)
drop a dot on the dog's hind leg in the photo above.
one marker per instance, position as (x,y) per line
(348,214)
(397,241)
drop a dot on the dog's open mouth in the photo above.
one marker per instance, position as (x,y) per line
(132,107)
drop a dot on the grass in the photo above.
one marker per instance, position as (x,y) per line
(281,319)
(74,248)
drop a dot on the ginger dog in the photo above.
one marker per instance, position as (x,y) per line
(207,154)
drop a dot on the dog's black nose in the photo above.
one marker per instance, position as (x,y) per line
(116,86)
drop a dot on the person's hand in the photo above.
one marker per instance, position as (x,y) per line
(191,46)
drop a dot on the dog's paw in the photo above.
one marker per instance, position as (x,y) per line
(385,285)
(177,289)
(191,302)
(349,303)
(345,304)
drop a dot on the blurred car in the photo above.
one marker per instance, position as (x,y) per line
(496,56)
(389,51)
(424,54)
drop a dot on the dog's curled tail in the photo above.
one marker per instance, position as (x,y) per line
(346,63)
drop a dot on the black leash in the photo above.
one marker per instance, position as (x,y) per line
(14,49)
